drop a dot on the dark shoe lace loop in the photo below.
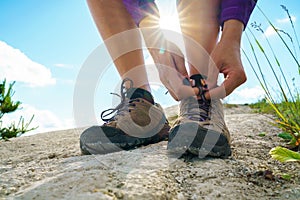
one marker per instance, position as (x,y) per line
(203,103)
(123,105)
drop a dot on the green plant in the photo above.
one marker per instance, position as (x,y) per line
(6,103)
(283,103)
(172,119)
(284,155)
(7,106)
(262,106)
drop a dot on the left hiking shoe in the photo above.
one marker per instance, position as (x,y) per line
(137,121)
(200,128)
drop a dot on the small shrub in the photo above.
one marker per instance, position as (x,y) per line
(7,105)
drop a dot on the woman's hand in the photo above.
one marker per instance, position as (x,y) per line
(226,59)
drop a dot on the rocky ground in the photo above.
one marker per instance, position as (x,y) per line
(50,166)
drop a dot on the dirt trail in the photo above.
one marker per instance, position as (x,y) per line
(49,166)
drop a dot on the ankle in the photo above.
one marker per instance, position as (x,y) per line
(134,93)
(146,87)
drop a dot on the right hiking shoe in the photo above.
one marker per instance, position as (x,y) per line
(200,128)
(137,121)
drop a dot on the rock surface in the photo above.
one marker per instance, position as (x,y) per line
(50,166)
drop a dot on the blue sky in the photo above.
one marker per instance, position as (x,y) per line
(43,45)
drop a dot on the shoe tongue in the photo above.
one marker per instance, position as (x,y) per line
(134,93)
(198,80)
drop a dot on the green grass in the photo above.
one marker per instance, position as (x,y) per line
(282,98)
(289,125)
(263,106)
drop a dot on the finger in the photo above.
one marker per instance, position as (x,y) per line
(174,82)
(231,82)
(213,73)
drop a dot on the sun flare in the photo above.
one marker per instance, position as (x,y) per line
(169,22)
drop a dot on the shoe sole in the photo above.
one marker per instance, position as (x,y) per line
(192,138)
(105,139)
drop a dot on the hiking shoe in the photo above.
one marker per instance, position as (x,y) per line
(136,121)
(200,128)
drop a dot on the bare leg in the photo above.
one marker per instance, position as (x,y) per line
(199,21)
(111,18)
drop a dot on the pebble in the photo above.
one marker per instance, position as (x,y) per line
(119,194)
(230,174)
(180,196)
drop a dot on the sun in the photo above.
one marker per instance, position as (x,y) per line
(169,22)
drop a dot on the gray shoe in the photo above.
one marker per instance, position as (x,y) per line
(200,129)
(137,121)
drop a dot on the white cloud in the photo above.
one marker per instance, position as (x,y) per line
(16,66)
(286,20)
(61,65)
(44,119)
(246,95)
(270,31)
(66,81)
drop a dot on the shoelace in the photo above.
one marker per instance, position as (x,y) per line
(203,103)
(198,110)
(204,106)
(123,105)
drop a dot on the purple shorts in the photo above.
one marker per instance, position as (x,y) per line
(140,9)
(236,9)
(229,9)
